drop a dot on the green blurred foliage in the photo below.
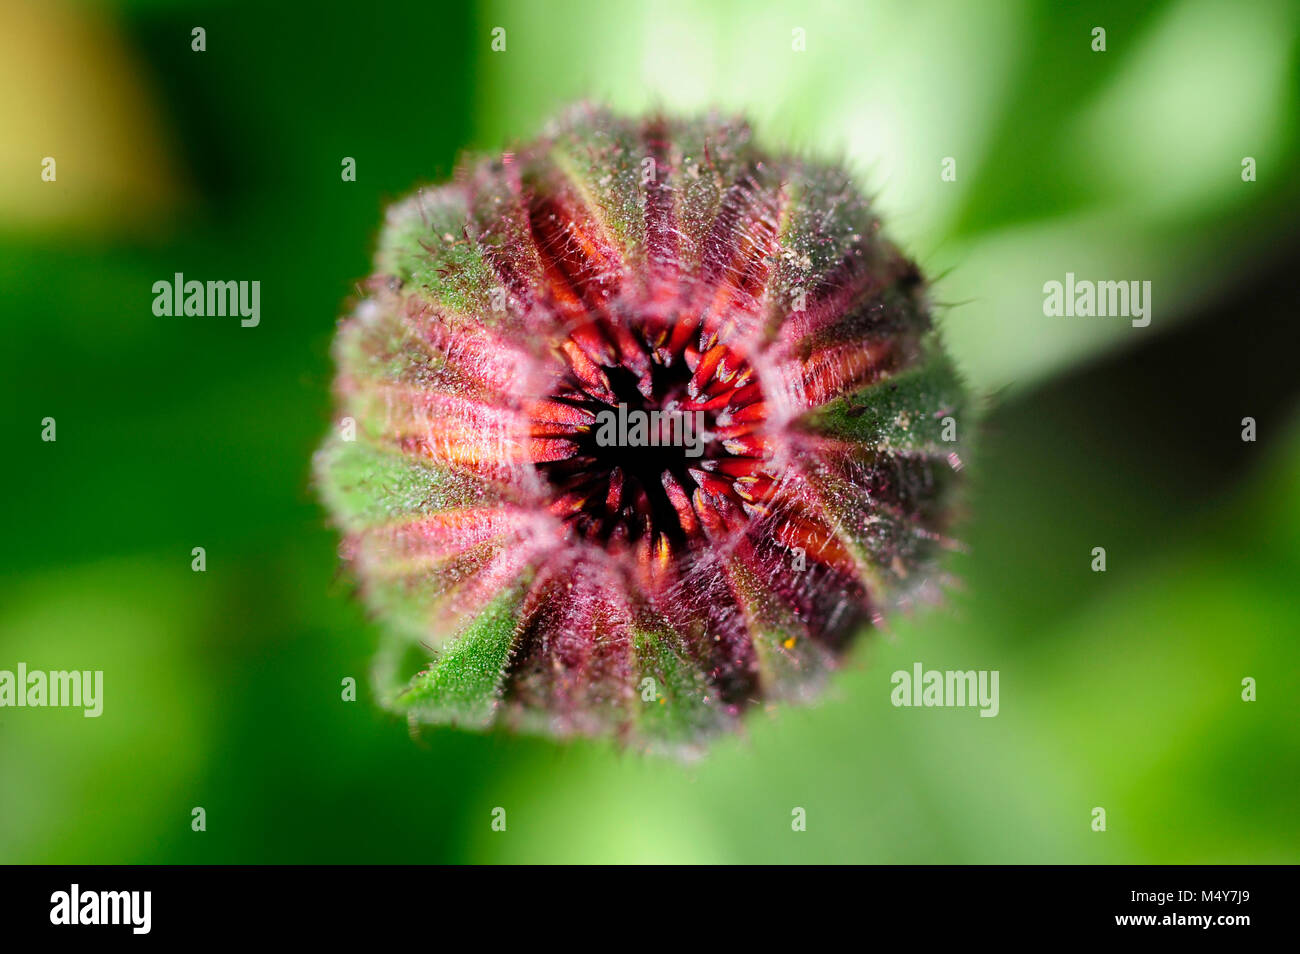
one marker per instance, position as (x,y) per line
(223,689)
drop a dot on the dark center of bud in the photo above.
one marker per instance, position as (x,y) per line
(653,443)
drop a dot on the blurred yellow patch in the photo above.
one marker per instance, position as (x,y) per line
(70,91)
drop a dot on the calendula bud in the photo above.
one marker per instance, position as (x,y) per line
(647,425)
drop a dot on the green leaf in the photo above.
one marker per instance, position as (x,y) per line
(904,413)
(463,685)
(682,711)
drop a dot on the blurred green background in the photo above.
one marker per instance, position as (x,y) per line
(222,689)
